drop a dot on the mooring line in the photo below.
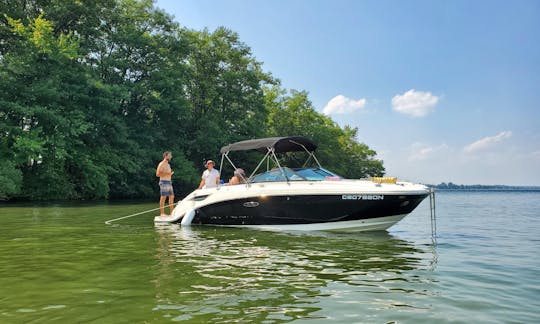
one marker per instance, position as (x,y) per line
(132,215)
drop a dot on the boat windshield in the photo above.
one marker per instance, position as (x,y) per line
(277,175)
(305,174)
(317,174)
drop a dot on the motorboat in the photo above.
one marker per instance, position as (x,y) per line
(297,198)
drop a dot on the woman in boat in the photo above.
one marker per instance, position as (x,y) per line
(238,177)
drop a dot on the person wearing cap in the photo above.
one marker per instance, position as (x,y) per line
(210,176)
(238,177)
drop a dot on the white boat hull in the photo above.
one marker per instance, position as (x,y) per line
(347,205)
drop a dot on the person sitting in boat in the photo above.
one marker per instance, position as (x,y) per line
(210,176)
(238,177)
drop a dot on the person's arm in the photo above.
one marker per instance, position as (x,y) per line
(158,170)
(203,182)
(217,179)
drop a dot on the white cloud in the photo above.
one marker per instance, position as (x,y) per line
(343,105)
(487,142)
(436,162)
(415,103)
(423,152)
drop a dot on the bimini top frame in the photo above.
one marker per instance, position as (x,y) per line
(279,144)
(270,146)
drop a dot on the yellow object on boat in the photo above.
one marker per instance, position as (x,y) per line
(384,179)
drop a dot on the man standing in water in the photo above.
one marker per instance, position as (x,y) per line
(164,173)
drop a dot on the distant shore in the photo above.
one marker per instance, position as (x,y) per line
(455,187)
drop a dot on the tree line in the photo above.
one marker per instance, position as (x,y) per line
(93,91)
(480,187)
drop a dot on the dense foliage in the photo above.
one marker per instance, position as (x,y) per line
(93,91)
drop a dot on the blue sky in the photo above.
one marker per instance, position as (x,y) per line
(442,90)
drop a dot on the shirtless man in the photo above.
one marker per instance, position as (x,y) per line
(164,173)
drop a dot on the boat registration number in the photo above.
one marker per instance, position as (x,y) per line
(362,197)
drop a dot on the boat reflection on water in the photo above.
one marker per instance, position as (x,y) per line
(221,274)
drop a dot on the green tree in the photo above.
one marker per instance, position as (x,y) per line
(224,91)
(37,79)
(338,148)
(93,91)
(10,179)
(141,56)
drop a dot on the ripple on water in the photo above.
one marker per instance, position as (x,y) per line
(298,275)
(54,307)
(25,310)
(62,264)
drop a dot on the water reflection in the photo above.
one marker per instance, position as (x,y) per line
(221,274)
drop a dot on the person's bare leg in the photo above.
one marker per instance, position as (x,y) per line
(162,205)
(171,204)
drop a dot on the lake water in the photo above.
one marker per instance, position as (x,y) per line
(61,263)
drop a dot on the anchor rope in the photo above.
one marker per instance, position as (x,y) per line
(133,215)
